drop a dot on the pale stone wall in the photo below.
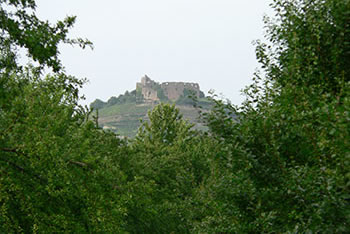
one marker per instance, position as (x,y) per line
(172,90)
(146,81)
(149,94)
(148,90)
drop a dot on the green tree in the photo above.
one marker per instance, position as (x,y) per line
(308,45)
(22,28)
(58,171)
(166,166)
(165,126)
(56,174)
(284,164)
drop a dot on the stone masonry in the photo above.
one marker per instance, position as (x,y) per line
(172,90)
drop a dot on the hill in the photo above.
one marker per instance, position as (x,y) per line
(122,114)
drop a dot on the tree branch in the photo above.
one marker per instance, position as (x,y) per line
(80,164)
(23,170)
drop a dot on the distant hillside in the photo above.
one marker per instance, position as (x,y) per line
(122,114)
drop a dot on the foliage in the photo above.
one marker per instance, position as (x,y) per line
(97,104)
(138,93)
(283,167)
(124,119)
(136,96)
(21,28)
(309,44)
(125,98)
(279,163)
(188,98)
(165,125)
(167,168)
(160,93)
(52,161)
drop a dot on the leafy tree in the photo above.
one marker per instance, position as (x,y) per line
(309,44)
(279,163)
(283,167)
(165,126)
(52,162)
(22,28)
(55,175)
(167,167)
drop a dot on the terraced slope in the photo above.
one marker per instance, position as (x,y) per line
(124,119)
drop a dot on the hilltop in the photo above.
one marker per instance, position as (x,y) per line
(122,114)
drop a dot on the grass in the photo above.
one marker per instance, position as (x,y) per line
(129,108)
(124,119)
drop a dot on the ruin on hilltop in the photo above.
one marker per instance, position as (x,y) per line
(150,91)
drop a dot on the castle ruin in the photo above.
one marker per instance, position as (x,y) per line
(151,91)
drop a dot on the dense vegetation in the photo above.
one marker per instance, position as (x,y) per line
(124,119)
(122,114)
(132,98)
(282,167)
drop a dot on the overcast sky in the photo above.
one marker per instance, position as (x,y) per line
(203,41)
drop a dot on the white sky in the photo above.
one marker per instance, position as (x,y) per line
(203,41)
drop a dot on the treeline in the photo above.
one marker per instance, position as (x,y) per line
(281,167)
(188,98)
(127,97)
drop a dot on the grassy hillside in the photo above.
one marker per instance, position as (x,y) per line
(124,119)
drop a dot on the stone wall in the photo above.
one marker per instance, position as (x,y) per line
(172,90)
(148,89)
(150,94)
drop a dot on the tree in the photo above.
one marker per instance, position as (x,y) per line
(58,171)
(166,165)
(21,28)
(284,165)
(279,163)
(309,44)
(165,126)
(56,174)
